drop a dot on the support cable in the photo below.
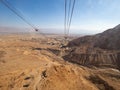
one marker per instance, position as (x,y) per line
(18,13)
(71,17)
(14,10)
(69,10)
(65,18)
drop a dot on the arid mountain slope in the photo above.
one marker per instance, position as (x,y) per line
(109,39)
(100,49)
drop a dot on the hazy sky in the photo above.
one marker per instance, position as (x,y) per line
(89,16)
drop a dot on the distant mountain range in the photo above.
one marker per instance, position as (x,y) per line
(13,29)
(27,30)
(44,30)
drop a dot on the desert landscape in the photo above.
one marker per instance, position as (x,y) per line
(59,45)
(43,63)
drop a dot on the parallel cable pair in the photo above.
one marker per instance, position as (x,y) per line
(15,11)
(69,10)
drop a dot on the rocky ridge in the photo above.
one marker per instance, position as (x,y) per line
(102,49)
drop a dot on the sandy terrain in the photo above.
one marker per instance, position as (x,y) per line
(27,63)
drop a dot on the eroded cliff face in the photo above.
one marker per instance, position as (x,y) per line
(99,50)
(95,57)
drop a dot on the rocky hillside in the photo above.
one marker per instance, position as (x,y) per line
(100,49)
(109,39)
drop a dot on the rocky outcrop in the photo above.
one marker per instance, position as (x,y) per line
(99,50)
(104,58)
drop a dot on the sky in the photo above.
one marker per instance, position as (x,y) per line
(90,16)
